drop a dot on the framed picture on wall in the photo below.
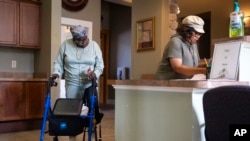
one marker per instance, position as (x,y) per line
(145,34)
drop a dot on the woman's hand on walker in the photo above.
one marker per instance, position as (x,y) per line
(55,75)
(92,75)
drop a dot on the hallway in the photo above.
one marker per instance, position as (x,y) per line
(107,126)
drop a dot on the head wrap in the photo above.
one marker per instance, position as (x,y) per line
(78,31)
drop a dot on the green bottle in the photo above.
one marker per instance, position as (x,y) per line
(236,26)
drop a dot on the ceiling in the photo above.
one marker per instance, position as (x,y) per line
(122,2)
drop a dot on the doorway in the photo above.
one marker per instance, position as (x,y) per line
(204,43)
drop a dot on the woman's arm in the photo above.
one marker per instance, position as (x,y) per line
(99,64)
(178,67)
(58,69)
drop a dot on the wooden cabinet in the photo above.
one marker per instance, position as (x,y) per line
(29,25)
(20,23)
(11,101)
(35,93)
(22,100)
(9,22)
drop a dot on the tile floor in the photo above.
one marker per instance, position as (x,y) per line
(107,129)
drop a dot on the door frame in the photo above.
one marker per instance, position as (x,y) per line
(104,78)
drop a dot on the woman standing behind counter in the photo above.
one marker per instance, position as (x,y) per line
(181,59)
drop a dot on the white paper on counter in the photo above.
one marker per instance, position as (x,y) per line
(225,60)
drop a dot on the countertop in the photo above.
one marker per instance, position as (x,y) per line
(23,79)
(177,83)
(22,76)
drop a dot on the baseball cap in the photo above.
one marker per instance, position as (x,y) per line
(78,31)
(194,21)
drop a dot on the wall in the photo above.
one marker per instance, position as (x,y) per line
(147,61)
(92,12)
(142,62)
(50,35)
(220,11)
(51,13)
(105,12)
(51,29)
(50,40)
(120,39)
(24,60)
(120,35)
(36,60)
(42,60)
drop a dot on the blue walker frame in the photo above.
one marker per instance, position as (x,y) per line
(47,110)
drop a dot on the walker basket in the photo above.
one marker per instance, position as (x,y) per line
(66,125)
(66,120)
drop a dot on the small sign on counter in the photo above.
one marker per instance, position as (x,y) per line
(230,61)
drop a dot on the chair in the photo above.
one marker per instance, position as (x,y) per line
(224,106)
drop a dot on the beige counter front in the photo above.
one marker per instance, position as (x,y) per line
(152,110)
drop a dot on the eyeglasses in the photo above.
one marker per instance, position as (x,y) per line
(197,34)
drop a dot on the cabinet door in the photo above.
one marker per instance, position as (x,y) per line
(35,99)
(11,101)
(8,22)
(29,24)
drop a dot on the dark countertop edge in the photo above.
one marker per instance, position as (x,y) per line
(178,83)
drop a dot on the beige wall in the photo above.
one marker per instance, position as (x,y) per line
(141,62)
(92,12)
(147,61)
(50,35)
(51,13)
(220,10)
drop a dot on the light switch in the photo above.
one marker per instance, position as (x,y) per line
(13,64)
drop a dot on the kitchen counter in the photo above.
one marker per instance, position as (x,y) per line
(147,110)
(177,83)
(23,79)
(23,76)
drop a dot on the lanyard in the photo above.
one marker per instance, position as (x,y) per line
(191,51)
